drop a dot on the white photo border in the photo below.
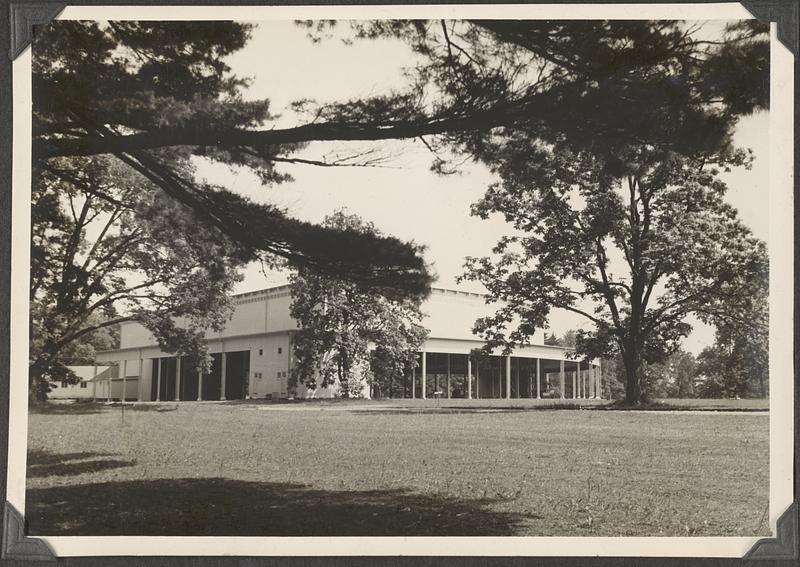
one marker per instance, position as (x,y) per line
(781,253)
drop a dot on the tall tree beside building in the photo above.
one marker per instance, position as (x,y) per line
(681,249)
(341,320)
(109,247)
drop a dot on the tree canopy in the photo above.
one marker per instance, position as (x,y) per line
(633,253)
(154,94)
(97,83)
(108,247)
(737,364)
(341,321)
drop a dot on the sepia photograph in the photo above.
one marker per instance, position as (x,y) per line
(398,277)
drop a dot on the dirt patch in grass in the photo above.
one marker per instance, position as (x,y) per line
(234,470)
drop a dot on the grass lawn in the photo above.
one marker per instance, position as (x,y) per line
(404,469)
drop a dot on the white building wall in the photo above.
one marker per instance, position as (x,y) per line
(270,366)
(261,324)
(87,376)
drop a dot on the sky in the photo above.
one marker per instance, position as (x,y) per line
(403,197)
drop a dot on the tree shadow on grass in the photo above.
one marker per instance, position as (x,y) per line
(44,464)
(223,507)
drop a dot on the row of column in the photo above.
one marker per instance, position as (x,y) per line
(586,384)
(124,367)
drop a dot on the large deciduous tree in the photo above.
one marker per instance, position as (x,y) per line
(634,247)
(108,247)
(340,321)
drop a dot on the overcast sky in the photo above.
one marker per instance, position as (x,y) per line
(404,198)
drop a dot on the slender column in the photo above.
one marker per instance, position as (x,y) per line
(584,383)
(580,382)
(599,369)
(469,378)
(538,378)
(224,373)
(530,379)
(108,382)
(158,381)
(508,377)
(574,386)
(199,386)
(590,378)
(141,379)
(94,383)
(585,378)
(413,382)
(477,379)
(516,377)
(424,374)
(561,377)
(178,378)
(448,374)
(122,395)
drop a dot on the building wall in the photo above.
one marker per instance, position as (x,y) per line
(262,326)
(86,374)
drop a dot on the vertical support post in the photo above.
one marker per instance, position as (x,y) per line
(561,377)
(599,370)
(94,383)
(448,375)
(199,386)
(574,386)
(223,378)
(177,377)
(424,374)
(413,381)
(477,379)
(580,383)
(158,381)
(590,378)
(582,374)
(538,378)
(141,378)
(108,384)
(508,377)
(123,395)
(516,378)
(582,378)
(469,378)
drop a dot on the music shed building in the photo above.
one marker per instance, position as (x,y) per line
(252,358)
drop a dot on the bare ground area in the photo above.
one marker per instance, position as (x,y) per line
(397,469)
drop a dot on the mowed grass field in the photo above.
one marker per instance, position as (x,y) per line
(383,469)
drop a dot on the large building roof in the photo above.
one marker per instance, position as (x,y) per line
(449,314)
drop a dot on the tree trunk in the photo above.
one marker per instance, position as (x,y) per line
(633,380)
(38,385)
